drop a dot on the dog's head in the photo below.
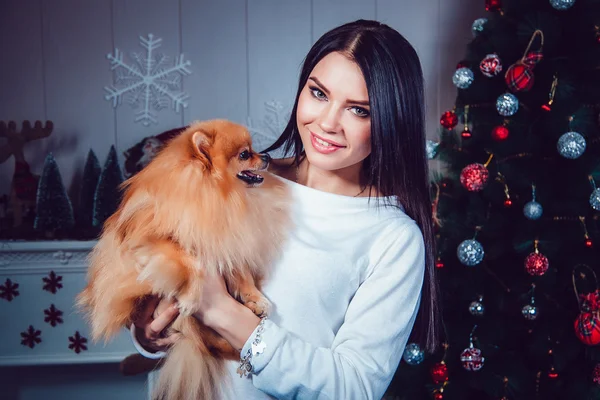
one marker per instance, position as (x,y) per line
(224,147)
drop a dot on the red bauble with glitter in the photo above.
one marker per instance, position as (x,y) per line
(500,133)
(490,66)
(493,5)
(536,264)
(587,328)
(439,373)
(596,374)
(449,120)
(474,177)
(471,359)
(438,396)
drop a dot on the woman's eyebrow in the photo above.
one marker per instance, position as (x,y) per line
(318,82)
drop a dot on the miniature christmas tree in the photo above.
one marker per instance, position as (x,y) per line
(108,195)
(91,176)
(54,211)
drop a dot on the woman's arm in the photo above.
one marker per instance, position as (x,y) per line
(368,346)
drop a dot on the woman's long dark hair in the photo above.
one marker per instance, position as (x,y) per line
(397,165)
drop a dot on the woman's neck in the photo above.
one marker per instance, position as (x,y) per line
(345,182)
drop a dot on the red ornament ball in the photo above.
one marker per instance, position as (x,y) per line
(449,120)
(588,243)
(500,133)
(474,177)
(596,374)
(439,373)
(507,203)
(587,328)
(471,359)
(438,396)
(536,264)
(490,66)
(439,264)
(493,5)
(519,77)
(552,374)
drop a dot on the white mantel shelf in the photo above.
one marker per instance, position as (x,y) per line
(27,264)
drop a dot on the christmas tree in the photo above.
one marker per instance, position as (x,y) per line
(516,207)
(89,182)
(54,212)
(108,194)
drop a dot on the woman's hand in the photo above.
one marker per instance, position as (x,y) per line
(213,300)
(153,317)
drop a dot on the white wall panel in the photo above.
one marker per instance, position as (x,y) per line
(328,14)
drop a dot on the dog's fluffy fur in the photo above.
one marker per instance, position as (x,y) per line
(194,210)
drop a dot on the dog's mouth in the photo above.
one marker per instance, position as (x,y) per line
(250,177)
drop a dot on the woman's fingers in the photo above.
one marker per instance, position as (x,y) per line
(144,311)
(155,328)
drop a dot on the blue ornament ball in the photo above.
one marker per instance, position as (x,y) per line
(571,145)
(463,77)
(562,4)
(432,149)
(470,252)
(595,199)
(478,26)
(413,354)
(533,210)
(507,104)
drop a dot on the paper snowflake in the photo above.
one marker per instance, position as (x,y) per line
(149,81)
(52,282)
(272,125)
(53,315)
(31,337)
(9,290)
(78,342)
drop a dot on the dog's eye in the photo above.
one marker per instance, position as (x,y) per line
(244,155)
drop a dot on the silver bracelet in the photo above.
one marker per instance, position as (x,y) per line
(257,347)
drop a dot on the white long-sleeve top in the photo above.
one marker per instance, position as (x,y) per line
(346,292)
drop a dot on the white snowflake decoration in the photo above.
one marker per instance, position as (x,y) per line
(149,81)
(273,124)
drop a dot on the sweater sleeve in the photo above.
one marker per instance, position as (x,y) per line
(367,348)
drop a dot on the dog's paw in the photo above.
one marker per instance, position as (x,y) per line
(188,305)
(260,306)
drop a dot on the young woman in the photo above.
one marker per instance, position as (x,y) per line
(357,272)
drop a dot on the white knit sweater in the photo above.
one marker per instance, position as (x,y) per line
(345,293)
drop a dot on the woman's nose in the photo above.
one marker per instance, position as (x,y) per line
(329,120)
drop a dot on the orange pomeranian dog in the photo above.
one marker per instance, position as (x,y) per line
(204,205)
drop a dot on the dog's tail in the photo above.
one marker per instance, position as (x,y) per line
(190,372)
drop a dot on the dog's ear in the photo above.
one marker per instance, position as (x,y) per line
(202,141)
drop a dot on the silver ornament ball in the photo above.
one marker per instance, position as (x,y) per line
(595,199)
(413,354)
(476,308)
(470,252)
(463,77)
(533,210)
(432,148)
(562,4)
(507,104)
(478,25)
(530,312)
(571,145)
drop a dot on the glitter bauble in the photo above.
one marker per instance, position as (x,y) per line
(562,4)
(595,199)
(490,66)
(470,252)
(478,26)
(413,354)
(533,210)
(519,77)
(463,77)
(507,104)
(432,148)
(587,328)
(536,264)
(571,145)
(449,119)
(439,373)
(530,312)
(500,133)
(473,177)
(471,359)
(476,308)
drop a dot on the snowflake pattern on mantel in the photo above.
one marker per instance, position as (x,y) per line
(270,128)
(150,81)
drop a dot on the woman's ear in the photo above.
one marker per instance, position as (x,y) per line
(202,142)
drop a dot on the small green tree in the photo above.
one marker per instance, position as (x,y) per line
(54,211)
(108,195)
(89,182)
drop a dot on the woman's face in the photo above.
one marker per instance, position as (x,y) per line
(333,114)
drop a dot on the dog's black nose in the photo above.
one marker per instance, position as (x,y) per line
(265,157)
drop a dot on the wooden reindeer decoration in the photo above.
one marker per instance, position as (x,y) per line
(23,189)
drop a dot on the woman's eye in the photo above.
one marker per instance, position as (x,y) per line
(361,112)
(244,155)
(318,94)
